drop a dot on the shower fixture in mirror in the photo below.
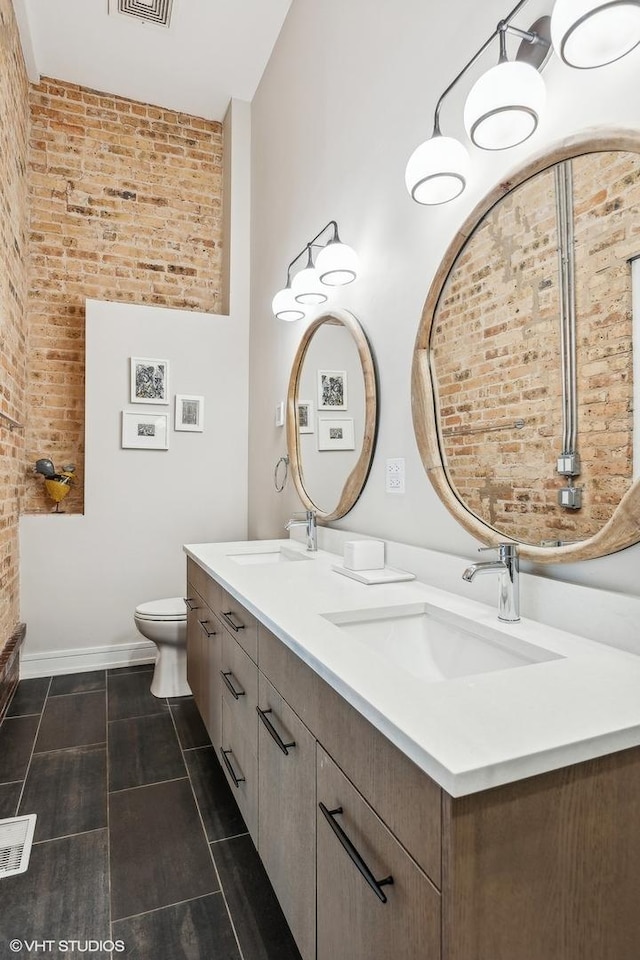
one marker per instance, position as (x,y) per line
(523,379)
(332,414)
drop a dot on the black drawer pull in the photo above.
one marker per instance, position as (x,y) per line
(190,602)
(285,747)
(353,853)
(225,674)
(203,624)
(237,780)
(229,617)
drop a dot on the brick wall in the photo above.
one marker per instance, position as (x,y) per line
(496,352)
(14,122)
(126,204)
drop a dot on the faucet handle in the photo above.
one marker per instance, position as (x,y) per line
(510,548)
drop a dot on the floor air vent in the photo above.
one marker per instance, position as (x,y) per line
(16,837)
(151,11)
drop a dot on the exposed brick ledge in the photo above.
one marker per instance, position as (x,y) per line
(10,667)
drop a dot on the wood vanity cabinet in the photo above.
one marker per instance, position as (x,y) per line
(546,868)
(373,901)
(287,812)
(204,638)
(239,739)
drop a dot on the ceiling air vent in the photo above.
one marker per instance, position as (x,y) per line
(157,12)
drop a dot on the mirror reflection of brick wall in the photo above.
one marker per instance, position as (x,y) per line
(496,353)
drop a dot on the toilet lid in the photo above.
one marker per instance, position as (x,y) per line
(172,608)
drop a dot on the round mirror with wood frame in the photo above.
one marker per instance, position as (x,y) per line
(349,474)
(452,416)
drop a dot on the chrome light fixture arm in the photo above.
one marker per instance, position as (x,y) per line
(336,265)
(438,169)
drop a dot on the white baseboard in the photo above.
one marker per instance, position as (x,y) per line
(55,662)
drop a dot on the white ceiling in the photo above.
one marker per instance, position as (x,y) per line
(212,51)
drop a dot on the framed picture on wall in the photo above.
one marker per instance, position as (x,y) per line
(189,413)
(149,380)
(145,431)
(335,434)
(305,417)
(332,389)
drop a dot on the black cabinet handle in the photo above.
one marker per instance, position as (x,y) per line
(225,674)
(225,757)
(285,747)
(191,605)
(229,617)
(353,853)
(203,624)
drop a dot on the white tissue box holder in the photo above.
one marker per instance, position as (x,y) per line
(364,554)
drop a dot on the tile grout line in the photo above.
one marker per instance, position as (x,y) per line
(142,786)
(236,836)
(73,746)
(66,836)
(206,838)
(166,906)
(139,716)
(74,693)
(33,746)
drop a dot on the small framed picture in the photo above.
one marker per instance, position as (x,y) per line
(335,434)
(145,431)
(149,380)
(189,413)
(332,389)
(305,417)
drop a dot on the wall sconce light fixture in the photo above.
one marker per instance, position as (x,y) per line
(592,33)
(336,265)
(504,105)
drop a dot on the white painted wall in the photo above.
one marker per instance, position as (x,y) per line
(83,576)
(348,93)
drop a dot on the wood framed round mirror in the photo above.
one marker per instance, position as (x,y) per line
(332,410)
(549,253)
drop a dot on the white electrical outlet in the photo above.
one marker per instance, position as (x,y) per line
(394,476)
(280,414)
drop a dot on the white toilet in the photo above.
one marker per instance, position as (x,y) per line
(165,623)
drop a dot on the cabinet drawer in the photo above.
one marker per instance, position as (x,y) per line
(240,623)
(204,652)
(239,679)
(358,917)
(206,586)
(406,799)
(287,813)
(240,764)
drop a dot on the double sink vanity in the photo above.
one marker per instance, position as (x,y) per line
(423,781)
(420,779)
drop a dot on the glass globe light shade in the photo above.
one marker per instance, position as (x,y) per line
(337,264)
(284,306)
(591,33)
(307,288)
(437,170)
(504,105)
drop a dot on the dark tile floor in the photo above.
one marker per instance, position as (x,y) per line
(138,838)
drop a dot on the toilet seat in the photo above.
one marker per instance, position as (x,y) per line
(169,609)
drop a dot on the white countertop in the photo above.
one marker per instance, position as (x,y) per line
(470,733)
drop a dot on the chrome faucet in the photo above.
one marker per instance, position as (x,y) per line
(311,528)
(507,566)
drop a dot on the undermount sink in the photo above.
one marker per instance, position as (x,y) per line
(278,555)
(433,644)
